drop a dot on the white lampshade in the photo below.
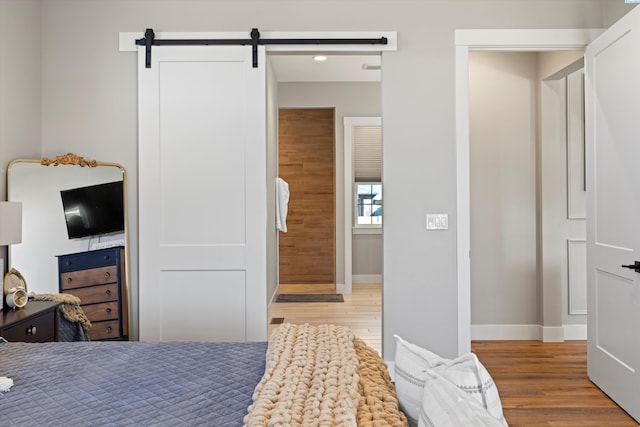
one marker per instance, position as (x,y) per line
(10,223)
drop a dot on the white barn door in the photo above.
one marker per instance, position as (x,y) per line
(202,194)
(613,217)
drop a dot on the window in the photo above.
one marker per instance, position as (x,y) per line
(368,203)
(367,174)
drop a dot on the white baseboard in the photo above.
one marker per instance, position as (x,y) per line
(529,332)
(505,332)
(575,332)
(273,296)
(367,278)
(552,333)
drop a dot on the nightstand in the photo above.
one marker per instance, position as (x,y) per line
(36,322)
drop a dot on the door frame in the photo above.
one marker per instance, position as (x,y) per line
(532,40)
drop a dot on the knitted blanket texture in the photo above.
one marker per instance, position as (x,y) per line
(315,377)
(69,307)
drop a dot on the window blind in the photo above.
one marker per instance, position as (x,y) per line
(367,153)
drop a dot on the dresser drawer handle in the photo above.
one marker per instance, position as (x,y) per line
(109,329)
(108,309)
(107,274)
(108,292)
(31,330)
(69,279)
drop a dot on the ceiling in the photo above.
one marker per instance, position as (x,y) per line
(337,68)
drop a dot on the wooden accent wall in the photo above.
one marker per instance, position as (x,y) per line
(306,160)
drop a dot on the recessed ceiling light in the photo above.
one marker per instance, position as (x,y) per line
(320,58)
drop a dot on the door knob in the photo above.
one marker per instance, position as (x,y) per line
(635,266)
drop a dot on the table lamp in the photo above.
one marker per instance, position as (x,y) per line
(10,223)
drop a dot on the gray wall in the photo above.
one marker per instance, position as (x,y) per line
(272,172)
(612,10)
(366,256)
(89,106)
(502,123)
(348,99)
(20,65)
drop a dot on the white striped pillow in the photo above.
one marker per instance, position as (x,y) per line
(444,404)
(413,364)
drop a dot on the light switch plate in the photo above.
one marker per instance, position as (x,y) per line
(437,221)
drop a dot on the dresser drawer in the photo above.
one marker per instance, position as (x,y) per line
(93,276)
(38,329)
(99,312)
(104,330)
(95,294)
(87,260)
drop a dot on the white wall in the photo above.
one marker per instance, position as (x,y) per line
(348,99)
(89,106)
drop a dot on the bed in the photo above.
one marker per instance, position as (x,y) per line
(304,375)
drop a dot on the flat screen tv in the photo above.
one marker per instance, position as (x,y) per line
(94,210)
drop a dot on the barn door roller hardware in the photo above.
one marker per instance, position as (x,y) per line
(255,41)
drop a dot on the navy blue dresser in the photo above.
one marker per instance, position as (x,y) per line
(98,278)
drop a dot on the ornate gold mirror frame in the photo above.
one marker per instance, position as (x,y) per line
(37,184)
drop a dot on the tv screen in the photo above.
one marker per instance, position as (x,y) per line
(94,210)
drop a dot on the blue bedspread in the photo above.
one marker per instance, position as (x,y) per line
(129,383)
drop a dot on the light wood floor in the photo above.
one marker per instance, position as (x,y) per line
(540,384)
(361,312)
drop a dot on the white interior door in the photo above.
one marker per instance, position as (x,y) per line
(202,194)
(613,211)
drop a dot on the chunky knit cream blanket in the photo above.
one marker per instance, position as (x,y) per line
(69,307)
(311,379)
(323,376)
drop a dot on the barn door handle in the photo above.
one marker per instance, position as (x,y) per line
(635,266)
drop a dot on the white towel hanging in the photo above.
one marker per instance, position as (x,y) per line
(282,204)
